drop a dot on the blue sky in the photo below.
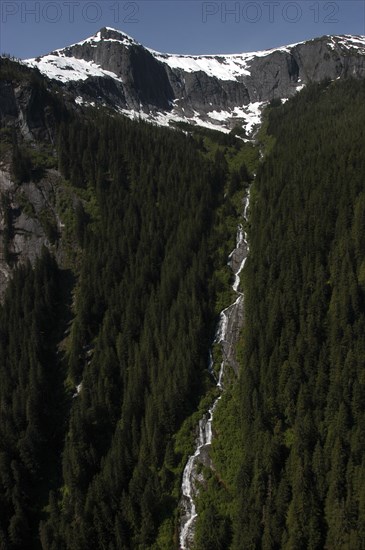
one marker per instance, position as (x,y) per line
(30,28)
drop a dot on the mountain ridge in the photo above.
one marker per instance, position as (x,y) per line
(220,91)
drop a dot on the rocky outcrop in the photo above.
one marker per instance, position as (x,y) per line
(30,220)
(275,75)
(29,208)
(27,108)
(143,79)
(329,58)
(196,91)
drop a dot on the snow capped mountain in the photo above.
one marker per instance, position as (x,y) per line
(108,34)
(217,91)
(62,66)
(223,67)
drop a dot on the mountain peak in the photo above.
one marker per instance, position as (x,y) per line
(108,33)
(105,34)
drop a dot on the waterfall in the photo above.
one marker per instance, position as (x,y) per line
(227,333)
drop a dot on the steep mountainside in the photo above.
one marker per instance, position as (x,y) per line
(223,91)
(104,351)
(33,194)
(289,442)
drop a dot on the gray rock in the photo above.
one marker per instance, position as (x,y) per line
(28,236)
(148,84)
(144,79)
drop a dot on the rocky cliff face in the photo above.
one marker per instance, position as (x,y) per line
(30,205)
(143,78)
(27,215)
(19,108)
(218,91)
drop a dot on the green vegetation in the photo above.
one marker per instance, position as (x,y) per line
(8,226)
(32,399)
(289,447)
(30,162)
(149,219)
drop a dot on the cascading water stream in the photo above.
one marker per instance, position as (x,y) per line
(229,325)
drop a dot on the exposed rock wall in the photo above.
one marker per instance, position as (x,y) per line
(30,207)
(149,83)
(29,216)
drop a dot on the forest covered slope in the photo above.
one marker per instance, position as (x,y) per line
(290,437)
(104,354)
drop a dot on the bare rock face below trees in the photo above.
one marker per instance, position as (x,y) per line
(28,221)
(25,106)
(31,198)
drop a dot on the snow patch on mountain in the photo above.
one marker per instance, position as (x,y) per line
(66,69)
(248,117)
(219,66)
(166,118)
(123,38)
(348,41)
